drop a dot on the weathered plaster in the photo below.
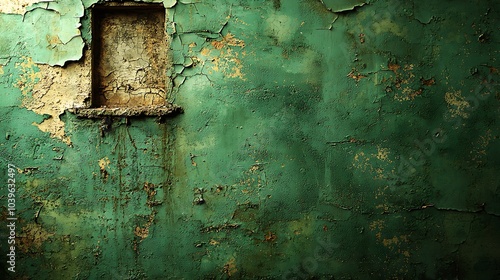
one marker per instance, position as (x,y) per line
(56,44)
(45,87)
(131,58)
(317,137)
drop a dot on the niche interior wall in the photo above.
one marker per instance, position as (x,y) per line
(249,139)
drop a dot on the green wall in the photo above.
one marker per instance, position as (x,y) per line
(327,139)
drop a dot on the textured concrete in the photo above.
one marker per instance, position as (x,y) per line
(319,140)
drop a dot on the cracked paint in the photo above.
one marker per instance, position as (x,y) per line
(342,5)
(312,132)
(131,58)
(18,6)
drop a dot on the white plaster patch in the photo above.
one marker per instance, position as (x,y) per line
(55,89)
(18,6)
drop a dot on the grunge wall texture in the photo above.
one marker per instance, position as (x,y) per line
(320,139)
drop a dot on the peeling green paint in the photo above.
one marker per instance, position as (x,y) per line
(57,43)
(342,5)
(319,139)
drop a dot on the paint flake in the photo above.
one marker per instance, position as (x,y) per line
(339,6)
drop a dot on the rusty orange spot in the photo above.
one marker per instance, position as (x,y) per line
(355,75)
(393,67)
(428,82)
(270,237)
(416,93)
(230,267)
(361,38)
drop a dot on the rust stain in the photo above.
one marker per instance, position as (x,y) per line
(270,237)
(230,267)
(193,163)
(403,83)
(415,93)
(354,74)
(393,67)
(150,191)
(428,82)
(32,237)
(362,38)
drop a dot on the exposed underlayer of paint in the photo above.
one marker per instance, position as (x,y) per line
(318,140)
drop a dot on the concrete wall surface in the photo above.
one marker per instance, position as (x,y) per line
(333,139)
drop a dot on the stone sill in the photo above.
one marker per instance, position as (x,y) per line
(144,111)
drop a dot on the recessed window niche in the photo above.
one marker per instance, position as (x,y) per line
(130,59)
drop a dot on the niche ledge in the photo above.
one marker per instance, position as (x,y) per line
(139,111)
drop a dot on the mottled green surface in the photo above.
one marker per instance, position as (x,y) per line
(362,144)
